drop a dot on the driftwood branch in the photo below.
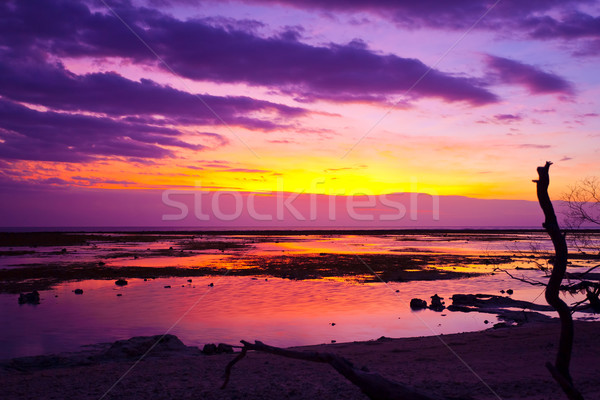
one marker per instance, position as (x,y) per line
(371,384)
(560,370)
(231,364)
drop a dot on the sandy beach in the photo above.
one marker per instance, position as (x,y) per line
(505,363)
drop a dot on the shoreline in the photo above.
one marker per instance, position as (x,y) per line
(6,233)
(509,360)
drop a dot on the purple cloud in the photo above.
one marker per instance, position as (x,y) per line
(83,181)
(576,28)
(220,139)
(534,79)
(282,141)
(53,181)
(458,14)
(336,72)
(28,134)
(533,146)
(507,117)
(32,80)
(348,72)
(248,170)
(573,25)
(535,19)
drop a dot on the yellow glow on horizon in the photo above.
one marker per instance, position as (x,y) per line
(442,168)
(361,180)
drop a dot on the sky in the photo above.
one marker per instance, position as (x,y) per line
(105,105)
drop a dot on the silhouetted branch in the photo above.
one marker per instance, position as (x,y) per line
(583,202)
(373,385)
(593,296)
(583,274)
(591,289)
(525,280)
(559,371)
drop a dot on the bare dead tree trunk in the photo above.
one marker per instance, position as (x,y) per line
(560,370)
(375,386)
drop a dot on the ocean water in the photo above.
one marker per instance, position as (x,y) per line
(281,312)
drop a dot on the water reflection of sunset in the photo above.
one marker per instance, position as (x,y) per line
(322,286)
(278,311)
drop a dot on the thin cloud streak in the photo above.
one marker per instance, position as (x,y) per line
(534,79)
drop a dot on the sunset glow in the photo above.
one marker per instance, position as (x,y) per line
(260,96)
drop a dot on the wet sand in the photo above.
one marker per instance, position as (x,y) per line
(509,360)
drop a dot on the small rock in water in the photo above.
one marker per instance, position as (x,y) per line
(102,263)
(509,291)
(120,282)
(211,284)
(209,349)
(78,291)
(418,304)
(436,303)
(29,298)
(119,294)
(63,251)
(397,290)
(167,286)
(486,322)
(224,348)
(332,323)
(141,345)
(189,280)
(333,341)
(502,291)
